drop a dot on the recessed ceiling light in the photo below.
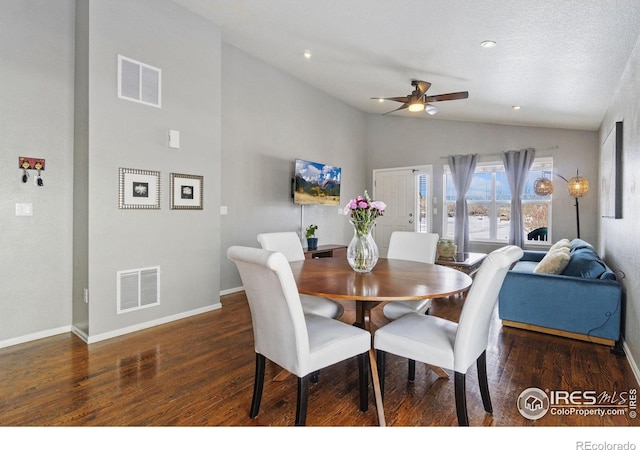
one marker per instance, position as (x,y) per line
(380,100)
(488,44)
(307,54)
(515,107)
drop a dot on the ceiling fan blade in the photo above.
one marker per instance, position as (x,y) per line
(395,99)
(421,86)
(398,109)
(443,97)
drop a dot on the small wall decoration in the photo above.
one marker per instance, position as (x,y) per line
(26,163)
(186,191)
(139,189)
(611,174)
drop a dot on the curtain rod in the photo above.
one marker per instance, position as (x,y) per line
(499,155)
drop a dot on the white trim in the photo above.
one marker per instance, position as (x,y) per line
(632,362)
(35,336)
(150,324)
(232,290)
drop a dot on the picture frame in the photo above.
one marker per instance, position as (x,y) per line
(186,191)
(611,173)
(138,189)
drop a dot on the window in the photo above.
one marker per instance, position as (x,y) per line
(424,215)
(489,202)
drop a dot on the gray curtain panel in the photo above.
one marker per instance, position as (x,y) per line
(462,168)
(516,165)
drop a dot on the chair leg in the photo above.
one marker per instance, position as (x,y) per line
(481,364)
(258,383)
(363,374)
(461,399)
(301,404)
(412,371)
(381,361)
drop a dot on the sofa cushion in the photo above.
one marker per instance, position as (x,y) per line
(554,262)
(585,263)
(577,244)
(561,243)
(525,266)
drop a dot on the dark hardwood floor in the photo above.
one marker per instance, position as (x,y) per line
(199,372)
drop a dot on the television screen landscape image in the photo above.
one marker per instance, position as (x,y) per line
(316,184)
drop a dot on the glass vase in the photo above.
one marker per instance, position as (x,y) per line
(362,252)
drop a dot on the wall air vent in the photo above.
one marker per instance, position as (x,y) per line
(138,289)
(139,82)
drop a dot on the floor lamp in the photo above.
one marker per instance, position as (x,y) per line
(578,187)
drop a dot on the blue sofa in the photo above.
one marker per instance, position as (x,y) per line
(583,302)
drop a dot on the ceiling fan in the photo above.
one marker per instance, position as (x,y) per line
(418,101)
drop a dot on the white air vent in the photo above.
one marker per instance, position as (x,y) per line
(139,82)
(138,288)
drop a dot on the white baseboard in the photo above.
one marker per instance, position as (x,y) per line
(632,362)
(111,334)
(145,325)
(232,290)
(34,336)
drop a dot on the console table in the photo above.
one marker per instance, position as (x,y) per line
(468,263)
(326,251)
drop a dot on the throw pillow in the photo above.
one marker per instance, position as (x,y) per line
(585,263)
(554,262)
(561,243)
(577,244)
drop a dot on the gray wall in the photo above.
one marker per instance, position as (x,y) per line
(402,142)
(269,120)
(36,120)
(58,101)
(131,135)
(619,242)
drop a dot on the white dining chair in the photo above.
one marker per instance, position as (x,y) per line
(410,246)
(453,346)
(300,343)
(288,243)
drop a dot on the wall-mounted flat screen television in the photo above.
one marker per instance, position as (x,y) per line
(316,184)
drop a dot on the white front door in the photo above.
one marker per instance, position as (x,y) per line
(397,189)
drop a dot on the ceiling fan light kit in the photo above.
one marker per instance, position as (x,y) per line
(418,101)
(431,110)
(416,106)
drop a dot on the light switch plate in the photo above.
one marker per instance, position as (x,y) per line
(174,139)
(24,209)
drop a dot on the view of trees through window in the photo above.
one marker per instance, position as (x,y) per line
(489,202)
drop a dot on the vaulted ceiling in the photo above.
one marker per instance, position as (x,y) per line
(560,61)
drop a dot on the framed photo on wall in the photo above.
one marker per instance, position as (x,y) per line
(186,191)
(139,189)
(611,174)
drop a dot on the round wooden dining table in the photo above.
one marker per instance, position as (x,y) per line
(390,280)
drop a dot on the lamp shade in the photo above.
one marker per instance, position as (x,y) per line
(543,186)
(578,186)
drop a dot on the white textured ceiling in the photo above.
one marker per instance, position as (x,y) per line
(560,60)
